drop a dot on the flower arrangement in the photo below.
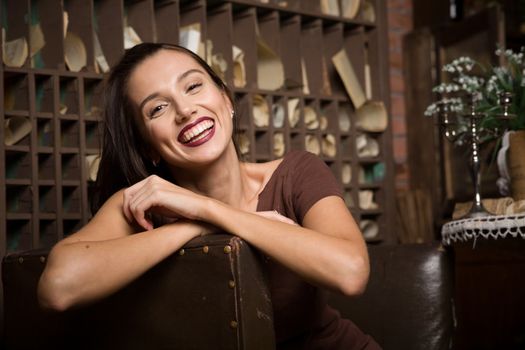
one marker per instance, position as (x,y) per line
(485,85)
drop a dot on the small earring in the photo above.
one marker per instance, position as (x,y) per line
(233,113)
(155,163)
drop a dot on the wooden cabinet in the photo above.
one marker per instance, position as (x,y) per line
(45,180)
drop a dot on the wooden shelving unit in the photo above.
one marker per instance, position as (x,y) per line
(44,182)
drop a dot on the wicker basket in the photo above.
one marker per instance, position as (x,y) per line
(516,164)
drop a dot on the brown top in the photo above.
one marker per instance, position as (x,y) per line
(302,318)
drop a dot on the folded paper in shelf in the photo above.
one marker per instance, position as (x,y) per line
(310,118)
(131,38)
(92,165)
(366,200)
(261,114)
(14,52)
(304,76)
(239,71)
(102,63)
(349,8)
(372,116)
(329,145)
(366,146)
(244,143)
(74,52)
(311,143)
(346,72)
(36,39)
(367,13)
(270,70)
(346,173)
(293,112)
(15,129)
(190,38)
(215,61)
(278,144)
(278,115)
(344,119)
(349,200)
(330,7)
(370,229)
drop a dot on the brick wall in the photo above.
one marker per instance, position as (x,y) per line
(399,23)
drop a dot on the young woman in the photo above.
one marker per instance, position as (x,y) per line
(170,172)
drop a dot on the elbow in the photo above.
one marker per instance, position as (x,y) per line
(51,294)
(355,278)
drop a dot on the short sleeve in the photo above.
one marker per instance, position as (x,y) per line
(312,181)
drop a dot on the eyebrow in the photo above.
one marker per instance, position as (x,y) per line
(179,78)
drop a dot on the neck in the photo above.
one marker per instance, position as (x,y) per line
(223,179)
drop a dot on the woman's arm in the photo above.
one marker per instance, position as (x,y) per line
(104,256)
(328,250)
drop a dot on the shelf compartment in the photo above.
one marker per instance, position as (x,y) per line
(313,63)
(332,43)
(70,166)
(81,14)
(16,93)
(69,98)
(47,199)
(290,32)
(93,131)
(45,132)
(193,13)
(44,89)
(262,144)
(108,24)
(69,133)
(18,235)
(353,43)
(48,15)
(48,234)
(220,33)
(14,21)
(139,15)
(71,199)
(17,165)
(167,21)
(347,146)
(328,117)
(245,38)
(19,199)
(93,96)
(46,166)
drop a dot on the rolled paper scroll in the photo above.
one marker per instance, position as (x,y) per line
(372,117)
(261,114)
(239,71)
(346,173)
(329,145)
(92,165)
(310,118)
(278,115)
(270,69)
(74,52)
(312,145)
(366,146)
(369,228)
(15,129)
(366,200)
(293,112)
(244,143)
(278,144)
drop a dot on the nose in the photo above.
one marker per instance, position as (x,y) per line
(185,110)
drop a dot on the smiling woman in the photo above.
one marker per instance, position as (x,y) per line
(170,172)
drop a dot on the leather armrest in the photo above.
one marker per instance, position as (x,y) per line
(408,303)
(211,294)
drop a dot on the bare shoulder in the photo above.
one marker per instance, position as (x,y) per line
(262,171)
(108,223)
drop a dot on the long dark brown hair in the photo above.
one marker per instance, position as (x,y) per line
(126,158)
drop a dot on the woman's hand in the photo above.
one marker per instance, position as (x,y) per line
(155,195)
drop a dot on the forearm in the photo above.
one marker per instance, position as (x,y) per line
(325,260)
(88,270)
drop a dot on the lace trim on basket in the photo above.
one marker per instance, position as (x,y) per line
(497,226)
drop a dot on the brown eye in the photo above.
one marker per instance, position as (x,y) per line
(193,87)
(156,110)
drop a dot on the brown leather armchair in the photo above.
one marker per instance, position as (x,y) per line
(212,294)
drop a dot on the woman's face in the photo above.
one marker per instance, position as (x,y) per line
(184,115)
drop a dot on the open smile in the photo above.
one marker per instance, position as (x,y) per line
(198,132)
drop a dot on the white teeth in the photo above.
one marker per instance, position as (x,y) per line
(197,130)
